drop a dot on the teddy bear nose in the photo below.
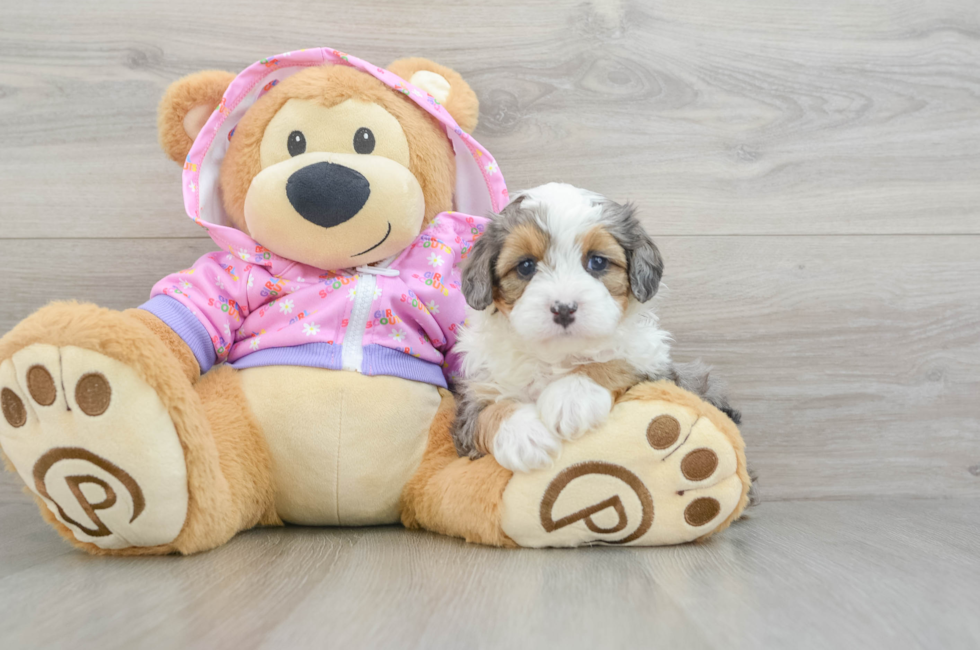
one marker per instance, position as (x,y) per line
(327,194)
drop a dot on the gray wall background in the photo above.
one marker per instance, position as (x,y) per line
(811,172)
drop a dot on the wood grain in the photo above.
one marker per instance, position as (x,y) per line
(715,117)
(796,574)
(854,360)
(809,171)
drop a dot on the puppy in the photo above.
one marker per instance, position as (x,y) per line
(561,284)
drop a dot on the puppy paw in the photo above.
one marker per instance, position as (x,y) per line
(523,443)
(573,405)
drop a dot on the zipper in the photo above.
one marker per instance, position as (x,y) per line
(352,352)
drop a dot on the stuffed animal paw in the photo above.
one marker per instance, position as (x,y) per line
(665,468)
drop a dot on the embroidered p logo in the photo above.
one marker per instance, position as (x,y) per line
(583,471)
(74,482)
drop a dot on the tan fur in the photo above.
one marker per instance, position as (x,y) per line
(230,488)
(431,157)
(598,241)
(463,498)
(455,496)
(213,513)
(243,453)
(175,344)
(198,89)
(230,482)
(668,391)
(462,103)
(489,421)
(616,376)
(526,240)
(343,444)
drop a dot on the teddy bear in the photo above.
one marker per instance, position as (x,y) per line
(301,374)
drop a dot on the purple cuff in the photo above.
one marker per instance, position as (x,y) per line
(182,321)
(311,355)
(378,360)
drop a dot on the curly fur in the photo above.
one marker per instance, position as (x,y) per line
(696,377)
(505,359)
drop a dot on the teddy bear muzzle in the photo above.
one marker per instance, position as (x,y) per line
(335,210)
(327,194)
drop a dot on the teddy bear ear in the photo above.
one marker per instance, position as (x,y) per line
(445,84)
(186,106)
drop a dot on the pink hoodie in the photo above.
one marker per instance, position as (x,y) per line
(250,307)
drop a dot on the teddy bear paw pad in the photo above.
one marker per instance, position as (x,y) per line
(656,473)
(94,442)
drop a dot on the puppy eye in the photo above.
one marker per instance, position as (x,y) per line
(526,268)
(598,263)
(363,140)
(296,143)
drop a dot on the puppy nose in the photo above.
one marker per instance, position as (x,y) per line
(564,313)
(327,194)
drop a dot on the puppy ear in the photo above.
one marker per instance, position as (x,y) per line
(445,84)
(186,106)
(646,266)
(478,271)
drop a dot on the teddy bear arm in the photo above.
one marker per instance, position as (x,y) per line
(175,345)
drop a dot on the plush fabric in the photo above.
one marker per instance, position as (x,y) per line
(455,496)
(343,459)
(199,92)
(460,100)
(259,314)
(228,402)
(615,479)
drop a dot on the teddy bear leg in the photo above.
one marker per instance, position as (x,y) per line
(242,495)
(123,453)
(452,495)
(666,468)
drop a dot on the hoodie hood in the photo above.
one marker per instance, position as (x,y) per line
(480,187)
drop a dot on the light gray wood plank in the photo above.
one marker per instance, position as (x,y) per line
(26,544)
(854,359)
(715,117)
(116,273)
(861,574)
(11,489)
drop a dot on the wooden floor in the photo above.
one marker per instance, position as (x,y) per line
(888,573)
(811,172)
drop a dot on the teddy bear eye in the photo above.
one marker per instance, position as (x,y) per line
(364,140)
(296,143)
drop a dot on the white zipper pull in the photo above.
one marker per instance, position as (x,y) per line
(378,270)
(352,351)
